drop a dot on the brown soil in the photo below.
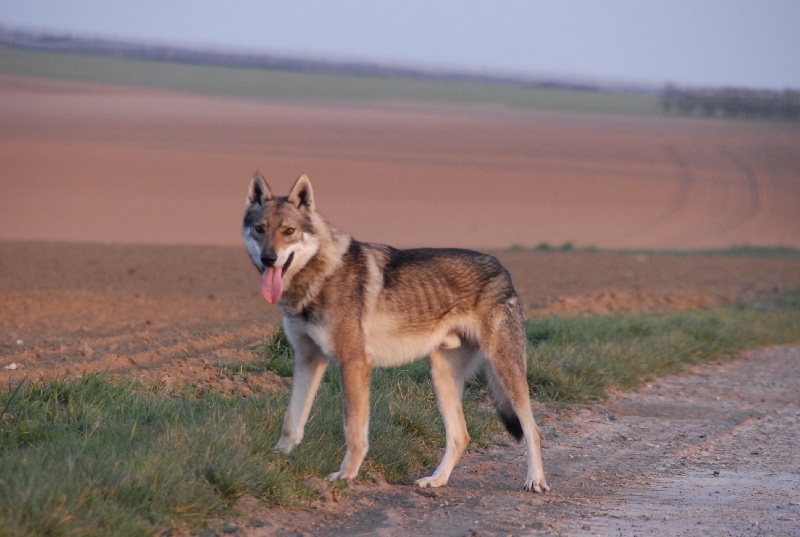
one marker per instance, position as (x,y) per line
(168,314)
(96,163)
(115,176)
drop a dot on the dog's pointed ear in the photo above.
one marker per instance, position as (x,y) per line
(259,192)
(301,195)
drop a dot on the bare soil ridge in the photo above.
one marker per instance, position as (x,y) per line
(168,314)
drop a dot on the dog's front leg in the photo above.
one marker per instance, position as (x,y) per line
(355,380)
(308,370)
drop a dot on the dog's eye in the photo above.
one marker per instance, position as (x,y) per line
(288,231)
(259,229)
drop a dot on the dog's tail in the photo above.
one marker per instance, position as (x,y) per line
(504,346)
(502,404)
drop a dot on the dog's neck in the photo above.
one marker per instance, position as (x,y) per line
(303,288)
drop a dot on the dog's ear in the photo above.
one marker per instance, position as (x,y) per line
(259,192)
(301,195)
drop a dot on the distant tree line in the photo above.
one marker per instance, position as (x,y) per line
(732,102)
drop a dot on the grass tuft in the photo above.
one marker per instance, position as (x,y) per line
(758,252)
(581,359)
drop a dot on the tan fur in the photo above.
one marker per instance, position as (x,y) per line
(365,305)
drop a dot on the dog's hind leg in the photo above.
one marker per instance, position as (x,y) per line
(309,365)
(516,414)
(504,348)
(449,369)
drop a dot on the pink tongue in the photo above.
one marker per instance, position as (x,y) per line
(272,285)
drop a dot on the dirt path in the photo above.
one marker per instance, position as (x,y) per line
(712,453)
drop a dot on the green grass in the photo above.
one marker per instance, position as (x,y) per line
(90,456)
(87,456)
(584,358)
(763,252)
(287,85)
(547,247)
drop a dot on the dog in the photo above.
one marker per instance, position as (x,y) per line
(367,305)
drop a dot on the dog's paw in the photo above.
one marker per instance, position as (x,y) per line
(538,486)
(430,482)
(285,445)
(337,476)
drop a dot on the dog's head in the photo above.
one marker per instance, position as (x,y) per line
(278,232)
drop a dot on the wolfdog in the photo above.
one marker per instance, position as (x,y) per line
(365,305)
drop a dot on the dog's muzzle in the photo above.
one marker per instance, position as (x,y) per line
(268,258)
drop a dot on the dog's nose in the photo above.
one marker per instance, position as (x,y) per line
(269,258)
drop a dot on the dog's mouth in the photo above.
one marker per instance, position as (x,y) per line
(272,281)
(286,265)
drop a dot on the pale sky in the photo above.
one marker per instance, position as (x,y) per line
(753,43)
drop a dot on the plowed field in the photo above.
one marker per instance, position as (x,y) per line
(108,164)
(119,250)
